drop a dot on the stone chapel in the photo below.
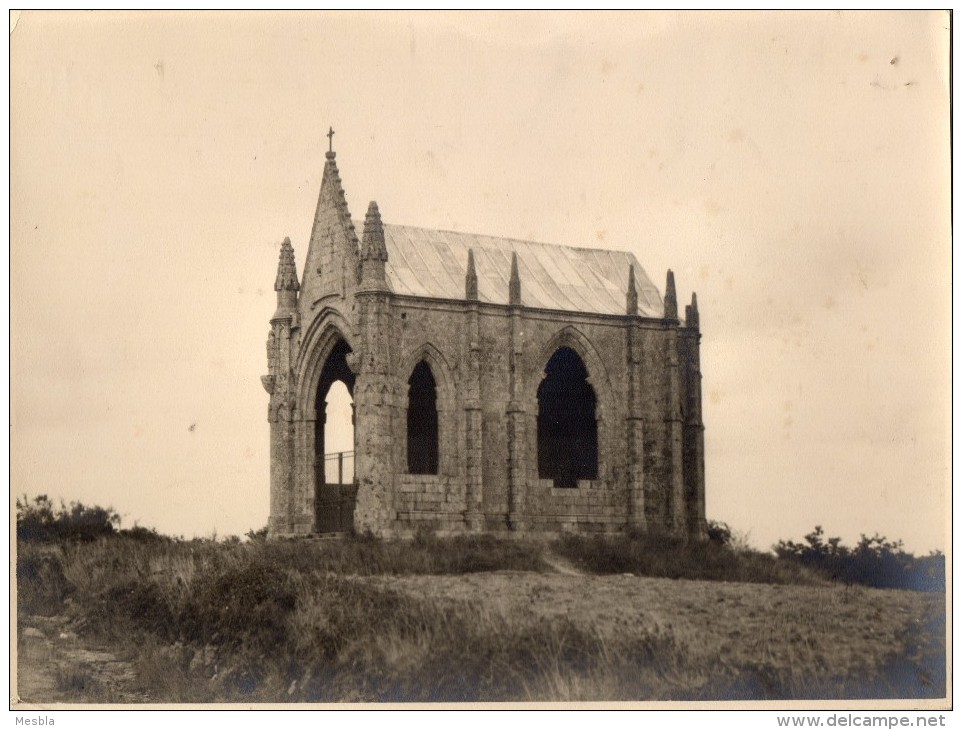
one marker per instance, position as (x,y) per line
(497,385)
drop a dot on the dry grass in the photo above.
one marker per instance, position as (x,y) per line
(470,619)
(733,640)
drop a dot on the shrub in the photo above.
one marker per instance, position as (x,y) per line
(719,533)
(257,535)
(40,520)
(874,561)
(243,606)
(143,534)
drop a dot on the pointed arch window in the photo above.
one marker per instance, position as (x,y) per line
(422,421)
(567,422)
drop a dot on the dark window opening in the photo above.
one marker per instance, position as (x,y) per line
(567,424)
(422,421)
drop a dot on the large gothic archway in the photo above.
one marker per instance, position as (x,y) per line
(334,488)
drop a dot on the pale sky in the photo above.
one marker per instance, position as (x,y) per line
(792,168)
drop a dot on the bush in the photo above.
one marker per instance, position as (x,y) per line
(257,535)
(143,534)
(719,533)
(41,521)
(874,561)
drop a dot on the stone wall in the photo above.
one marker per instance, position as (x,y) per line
(662,478)
(438,334)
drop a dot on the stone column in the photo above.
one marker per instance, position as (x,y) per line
(281,520)
(694,428)
(673,419)
(280,383)
(305,458)
(473,447)
(634,422)
(517,442)
(635,426)
(374,388)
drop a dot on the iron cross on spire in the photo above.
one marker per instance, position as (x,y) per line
(330,139)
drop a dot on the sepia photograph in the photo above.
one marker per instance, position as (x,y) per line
(480,359)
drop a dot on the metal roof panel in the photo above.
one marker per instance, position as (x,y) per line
(429,263)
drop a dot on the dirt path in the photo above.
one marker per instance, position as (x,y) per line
(56,666)
(561,565)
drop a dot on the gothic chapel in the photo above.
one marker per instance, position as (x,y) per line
(497,385)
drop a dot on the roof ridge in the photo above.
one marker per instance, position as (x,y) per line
(509,238)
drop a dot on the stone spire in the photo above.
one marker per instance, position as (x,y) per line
(691,312)
(333,177)
(671,301)
(631,304)
(514,285)
(471,279)
(373,246)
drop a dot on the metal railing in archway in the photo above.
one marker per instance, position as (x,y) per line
(339,468)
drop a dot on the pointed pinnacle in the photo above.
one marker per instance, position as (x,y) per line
(691,312)
(671,301)
(286,269)
(471,279)
(373,246)
(514,285)
(631,300)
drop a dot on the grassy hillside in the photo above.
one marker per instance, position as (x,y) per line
(476,618)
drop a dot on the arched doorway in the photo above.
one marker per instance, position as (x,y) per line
(567,422)
(335,490)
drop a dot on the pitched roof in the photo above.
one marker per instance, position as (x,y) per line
(433,264)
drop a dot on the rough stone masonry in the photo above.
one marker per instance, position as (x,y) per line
(497,385)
